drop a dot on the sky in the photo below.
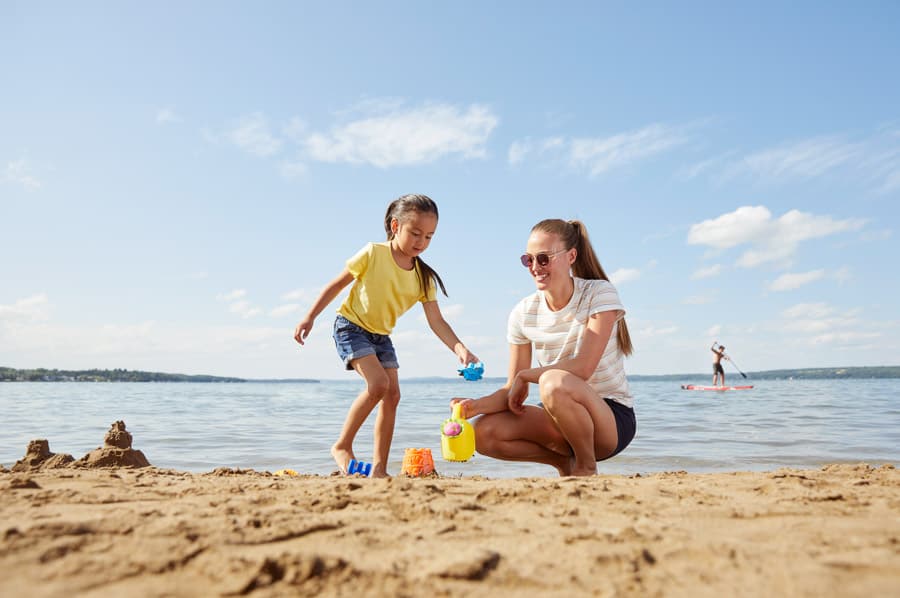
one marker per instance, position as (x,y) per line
(178,181)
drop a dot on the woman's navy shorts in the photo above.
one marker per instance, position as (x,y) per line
(353,342)
(626,425)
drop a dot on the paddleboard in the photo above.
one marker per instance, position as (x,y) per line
(696,387)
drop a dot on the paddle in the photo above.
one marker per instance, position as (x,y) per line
(735,366)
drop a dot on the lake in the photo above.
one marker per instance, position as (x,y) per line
(269,426)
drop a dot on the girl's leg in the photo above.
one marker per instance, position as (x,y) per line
(532,436)
(384,424)
(584,419)
(377,384)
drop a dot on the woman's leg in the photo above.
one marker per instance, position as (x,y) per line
(582,417)
(532,436)
(384,424)
(377,384)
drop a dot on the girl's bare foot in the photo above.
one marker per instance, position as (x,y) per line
(379,471)
(342,457)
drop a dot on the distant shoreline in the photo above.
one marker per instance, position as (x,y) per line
(122,375)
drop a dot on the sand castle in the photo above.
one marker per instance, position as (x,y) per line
(115,452)
(38,456)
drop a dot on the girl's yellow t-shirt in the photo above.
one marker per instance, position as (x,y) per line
(383,291)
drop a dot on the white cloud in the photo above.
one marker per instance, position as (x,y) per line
(843,275)
(821,324)
(238,305)
(879,235)
(707,272)
(297,295)
(244,309)
(653,331)
(624,275)
(252,135)
(34,308)
(600,154)
(453,310)
(714,331)
(845,337)
(744,225)
(232,295)
(875,158)
(790,281)
(284,310)
(400,137)
(450,312)
(808,310)
(166,115)
(804,159)
(19,172)
(519,150)
(770,239)
(695,170)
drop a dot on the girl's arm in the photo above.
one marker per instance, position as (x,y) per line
(593,344)
(519,359)
(327,295)
(442,330)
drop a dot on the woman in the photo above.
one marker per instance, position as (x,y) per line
(574,327)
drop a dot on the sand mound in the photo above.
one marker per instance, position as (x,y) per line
(115,452)
(38,456)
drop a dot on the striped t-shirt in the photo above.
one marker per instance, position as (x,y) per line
(556,335)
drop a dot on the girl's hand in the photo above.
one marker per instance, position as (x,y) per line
(468,406)
(517,394)
(465,356)
(302,330)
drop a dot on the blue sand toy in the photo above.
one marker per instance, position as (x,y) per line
(359,467)
(472,372)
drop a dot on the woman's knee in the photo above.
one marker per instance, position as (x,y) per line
(486,429)
(553,390)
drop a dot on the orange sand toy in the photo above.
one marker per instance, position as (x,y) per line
(418,462)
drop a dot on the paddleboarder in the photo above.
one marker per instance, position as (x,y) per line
(718,370)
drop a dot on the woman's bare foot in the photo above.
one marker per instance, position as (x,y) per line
(586,469)
(342,457)
(565,465)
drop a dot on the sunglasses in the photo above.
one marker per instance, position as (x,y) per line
(541,258)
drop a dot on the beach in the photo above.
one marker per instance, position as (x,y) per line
(142,531)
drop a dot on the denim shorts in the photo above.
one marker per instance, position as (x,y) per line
(353,342)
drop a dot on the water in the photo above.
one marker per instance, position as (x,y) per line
(269,426)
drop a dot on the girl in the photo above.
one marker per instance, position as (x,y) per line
(389,278)
(574,325)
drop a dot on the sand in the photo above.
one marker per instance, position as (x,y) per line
(143,531)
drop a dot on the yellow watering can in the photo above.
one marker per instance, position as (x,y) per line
(457,437)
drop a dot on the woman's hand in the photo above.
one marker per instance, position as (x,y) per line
(517,394)
(468,407)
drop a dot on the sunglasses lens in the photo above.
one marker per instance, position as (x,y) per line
(542,259)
